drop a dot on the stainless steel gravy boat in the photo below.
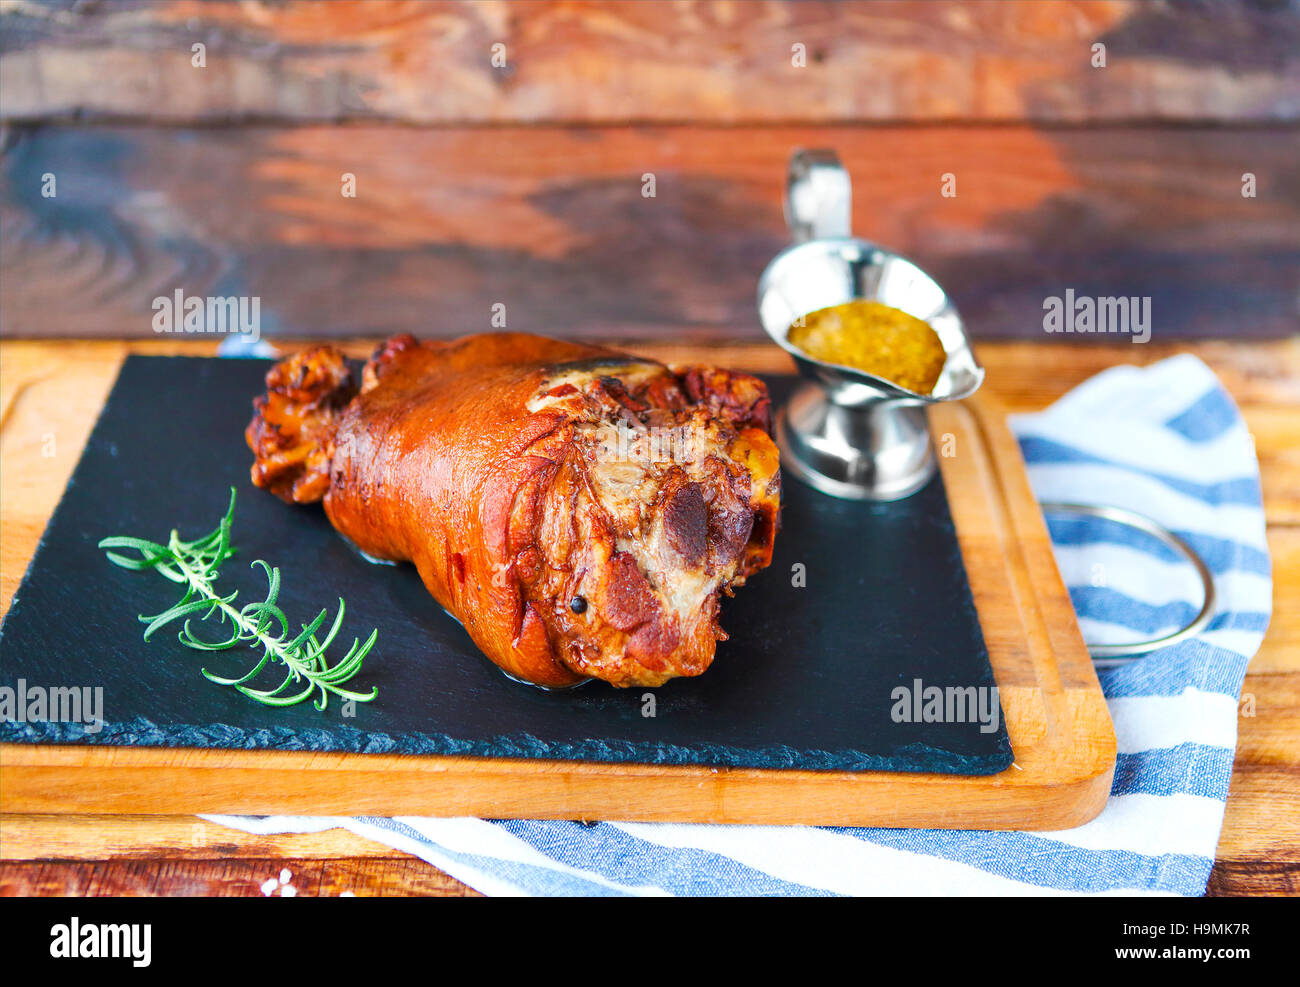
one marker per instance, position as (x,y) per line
(847,433)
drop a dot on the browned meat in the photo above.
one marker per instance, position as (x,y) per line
(577,509)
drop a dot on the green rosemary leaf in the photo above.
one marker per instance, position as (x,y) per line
(247,676)
(267,615)
(272,581)
(167,616)
(307,631)
(144,547)
(195,564)
(129,563)
(345,668)
(191,640)
(273,697)
(320,646)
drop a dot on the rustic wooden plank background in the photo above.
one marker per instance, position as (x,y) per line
(661,61)
(522,184)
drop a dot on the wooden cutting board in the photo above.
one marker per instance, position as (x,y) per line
(1055,717)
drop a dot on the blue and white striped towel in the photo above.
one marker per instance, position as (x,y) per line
(1165,441)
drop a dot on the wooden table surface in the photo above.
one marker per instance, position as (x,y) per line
(50,393)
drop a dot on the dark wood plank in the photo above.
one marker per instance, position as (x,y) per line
(243,878)
(656,61)
(1236,879)
(552,223)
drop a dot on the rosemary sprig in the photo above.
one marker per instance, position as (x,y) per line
(195,565)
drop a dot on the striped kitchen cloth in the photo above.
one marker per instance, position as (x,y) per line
(1165,441)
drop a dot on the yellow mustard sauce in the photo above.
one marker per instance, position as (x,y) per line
(875,338)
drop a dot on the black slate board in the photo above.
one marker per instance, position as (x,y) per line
(804,682)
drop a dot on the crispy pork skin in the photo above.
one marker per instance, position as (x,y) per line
(580,511)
